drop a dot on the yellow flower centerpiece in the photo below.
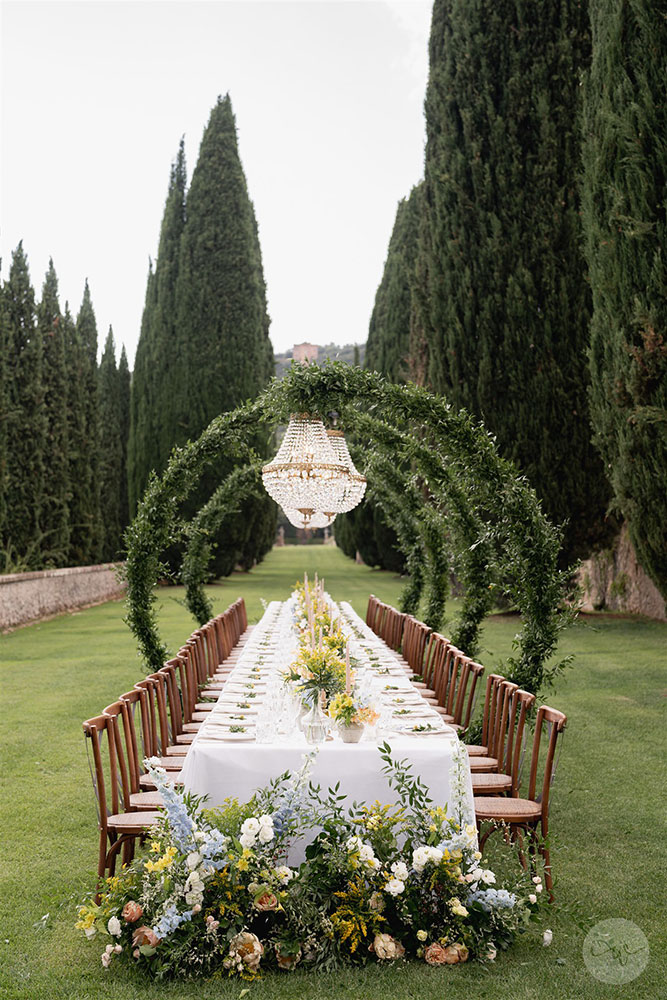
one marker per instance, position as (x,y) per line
(351,717)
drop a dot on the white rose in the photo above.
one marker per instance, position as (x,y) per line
(106,959)
(536,879)
(395,886)
(265,834)
(400,870)
(366,852)
(532,898)
(114,927)
(250,826)
(374,863)
(547,937)
(353,844)
(247,840)
(538,888)
(90,932)
(284,873)
(266,820)
(193,860)
(488,877)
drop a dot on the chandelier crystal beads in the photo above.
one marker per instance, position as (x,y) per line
(312,474)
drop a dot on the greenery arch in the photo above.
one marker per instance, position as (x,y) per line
(457,449)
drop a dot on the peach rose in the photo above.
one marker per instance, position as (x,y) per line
(145,936)
(245,948)
(387,947)
(287,961)
(266,902)
(434,954)
(132,911)
(455,953)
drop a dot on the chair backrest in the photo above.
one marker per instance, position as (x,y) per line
(243,615)
(501,712)
(492,682)
(392,628)
(415,637)
(107,792)
(371,610)
(469,674)
(380,614)
(222,633)
(138,722)
(521,704)
(554,721)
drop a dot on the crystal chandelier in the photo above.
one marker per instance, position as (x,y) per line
(356,483)
(312,473)
(305,474)
(309,518)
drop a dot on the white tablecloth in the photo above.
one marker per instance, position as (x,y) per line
(219,769)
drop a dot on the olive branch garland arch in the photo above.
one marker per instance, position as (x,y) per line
(459,448)
(238,486)
(474,555)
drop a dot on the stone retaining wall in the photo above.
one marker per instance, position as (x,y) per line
(613,580)
(27,597)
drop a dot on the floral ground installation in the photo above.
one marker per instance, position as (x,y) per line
(212,893)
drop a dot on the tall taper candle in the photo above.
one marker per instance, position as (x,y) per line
(348,675)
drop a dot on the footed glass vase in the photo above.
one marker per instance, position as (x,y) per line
(315,723)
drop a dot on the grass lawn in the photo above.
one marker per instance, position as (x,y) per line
(607,808)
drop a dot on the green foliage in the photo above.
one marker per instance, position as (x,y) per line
(461,465)
(110,453)
(84,459)
(58,489)
(25,423)
(501,288)
(367,531)
(388,345)
(123,382)
(228,500)
(624,170)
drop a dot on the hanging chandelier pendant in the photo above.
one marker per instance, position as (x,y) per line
(312,472)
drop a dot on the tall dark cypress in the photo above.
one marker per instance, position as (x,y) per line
(224,353)
(624,185)
(388,346)
(158,367)
(142,442)
(55,515)
(26,421)
(4,417)
(507,304)
(124,381)
(110,452)
(85,530)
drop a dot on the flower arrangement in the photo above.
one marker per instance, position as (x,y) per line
(214,893)
(318,669)
(347,711)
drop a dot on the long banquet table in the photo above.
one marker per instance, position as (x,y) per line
(248,738)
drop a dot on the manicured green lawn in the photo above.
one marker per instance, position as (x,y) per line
(607,811)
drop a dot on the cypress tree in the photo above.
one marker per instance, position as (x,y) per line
(55,519)
(506,301)
(158,364)
(624,183)
(85,529)
(388,347)
(124,384)
(142,442)
(4,417)
(26,422)
(224,353)
(110,453)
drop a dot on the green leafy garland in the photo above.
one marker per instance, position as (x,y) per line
(495,520)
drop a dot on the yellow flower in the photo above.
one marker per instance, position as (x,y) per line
(164,862)
(156,847)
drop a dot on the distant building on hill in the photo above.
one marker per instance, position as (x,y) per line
(305,352)
(351,353)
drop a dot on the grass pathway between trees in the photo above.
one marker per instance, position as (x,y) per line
(607,820)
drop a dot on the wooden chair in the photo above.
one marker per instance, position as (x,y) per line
(504,694)
(463,693)
(436,650)
(509,750)
(483,749)
(118,828)
(371,610)
(415,637)
(527,814)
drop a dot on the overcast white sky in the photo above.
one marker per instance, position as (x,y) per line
(328,99)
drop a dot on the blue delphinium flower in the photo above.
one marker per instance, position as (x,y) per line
(170,920)
(180,822)
(492,899)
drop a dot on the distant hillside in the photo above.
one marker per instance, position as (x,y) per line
(332,351)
